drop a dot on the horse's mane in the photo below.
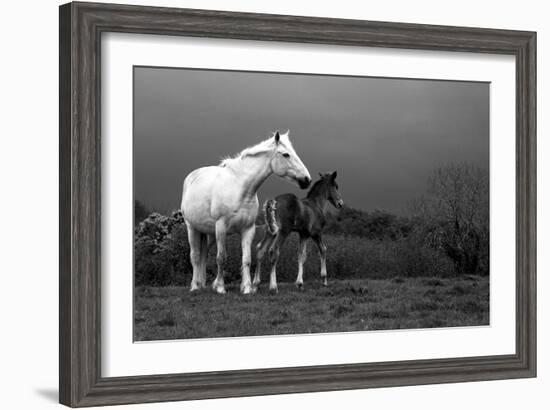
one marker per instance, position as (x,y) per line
(317,186)
(259,148)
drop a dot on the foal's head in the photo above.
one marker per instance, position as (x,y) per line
(327,187)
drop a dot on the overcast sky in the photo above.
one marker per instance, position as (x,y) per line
(383,136)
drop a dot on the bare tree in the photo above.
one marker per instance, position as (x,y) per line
(454,215)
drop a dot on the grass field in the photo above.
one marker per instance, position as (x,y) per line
(163,313)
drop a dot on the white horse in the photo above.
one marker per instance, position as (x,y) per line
(220,200)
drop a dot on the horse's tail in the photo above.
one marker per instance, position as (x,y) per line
(269,214)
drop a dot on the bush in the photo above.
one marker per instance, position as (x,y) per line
(371,225)
(140,212)
(161,251)
(162,256)
(454,216)
(355,257)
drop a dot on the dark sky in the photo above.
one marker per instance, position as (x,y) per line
(383,136)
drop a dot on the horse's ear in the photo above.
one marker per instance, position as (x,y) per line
(334,175)
(277,137)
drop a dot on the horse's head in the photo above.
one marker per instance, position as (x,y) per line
(286,163)
(331,187)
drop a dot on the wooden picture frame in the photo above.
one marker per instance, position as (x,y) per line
(81,27)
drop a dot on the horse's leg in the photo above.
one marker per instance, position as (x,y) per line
(210,241)
(206,242)
(218,285)
(261,248)
(194,237)
(302,255)
(274,251)
(247,236)
(323,255)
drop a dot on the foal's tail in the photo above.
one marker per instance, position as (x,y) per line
(270,219)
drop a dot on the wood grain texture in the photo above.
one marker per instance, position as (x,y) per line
(65,357)
(81,25)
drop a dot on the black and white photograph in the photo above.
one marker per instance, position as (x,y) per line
(263,205)
(291,203)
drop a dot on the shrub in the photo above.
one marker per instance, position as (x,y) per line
(161,251)
(162,256)
(453,216)
(371,225)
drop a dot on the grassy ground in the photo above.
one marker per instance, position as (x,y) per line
(346,305)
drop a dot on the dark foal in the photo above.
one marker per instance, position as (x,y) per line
(286,214)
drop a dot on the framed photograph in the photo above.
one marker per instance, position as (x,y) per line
(260,204)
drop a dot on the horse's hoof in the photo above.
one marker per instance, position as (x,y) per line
(218,288)
(194,287)
(247,290)
(325,283)
(300,285)
(274,290)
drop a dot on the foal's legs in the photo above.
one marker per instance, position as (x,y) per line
(302,255)
(194,237)
(261,248)
(218,285)
(246,243)
(274,251)
(323,255)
